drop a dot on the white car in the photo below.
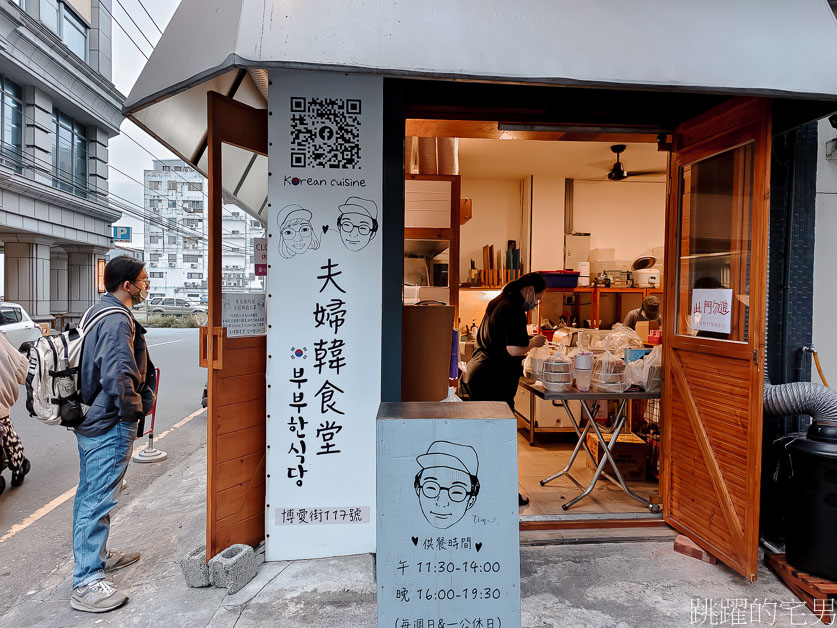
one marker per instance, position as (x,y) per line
(16,325)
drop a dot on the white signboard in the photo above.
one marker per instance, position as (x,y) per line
(243,314)
(260,259)
(448,545)
(712,310)
(324,312)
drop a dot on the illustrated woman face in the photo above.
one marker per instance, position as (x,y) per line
(297,235)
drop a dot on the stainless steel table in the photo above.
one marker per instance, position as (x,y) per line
(589,400)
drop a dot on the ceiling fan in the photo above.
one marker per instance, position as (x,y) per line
(618,172)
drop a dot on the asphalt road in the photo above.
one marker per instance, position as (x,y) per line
(27,553)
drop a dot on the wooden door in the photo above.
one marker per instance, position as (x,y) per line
(236,422)
(714,329)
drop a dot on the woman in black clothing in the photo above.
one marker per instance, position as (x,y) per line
(502,343)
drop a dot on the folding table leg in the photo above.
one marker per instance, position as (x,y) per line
(582,441)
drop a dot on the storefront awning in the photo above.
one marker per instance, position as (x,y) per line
(747,47)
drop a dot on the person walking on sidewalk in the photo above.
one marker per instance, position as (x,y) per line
(13,367)
(117,380)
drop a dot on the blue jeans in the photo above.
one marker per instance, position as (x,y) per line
(103,462)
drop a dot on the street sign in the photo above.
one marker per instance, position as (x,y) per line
(121,233)
(260,246)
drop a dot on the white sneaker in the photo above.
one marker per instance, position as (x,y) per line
(97,597)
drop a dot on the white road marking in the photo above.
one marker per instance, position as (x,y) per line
(160,344)
(55,503)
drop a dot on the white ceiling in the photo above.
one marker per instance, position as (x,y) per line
(515,159)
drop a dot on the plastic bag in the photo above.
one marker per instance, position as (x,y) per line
(608,373)
(557,374)
(653,370)
(635,374)
(622,338)
(451,398)
(533,364)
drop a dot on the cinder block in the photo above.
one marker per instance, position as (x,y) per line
(233,568)
(195,569)
(260,549)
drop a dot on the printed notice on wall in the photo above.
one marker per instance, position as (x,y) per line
(244,314)
(448,547)
(712,310)
(260,257)
(324,261)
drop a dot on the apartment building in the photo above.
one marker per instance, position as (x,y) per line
(175,235)
(59,110)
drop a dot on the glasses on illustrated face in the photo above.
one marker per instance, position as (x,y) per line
(347,226)
(292,232)
(431,490)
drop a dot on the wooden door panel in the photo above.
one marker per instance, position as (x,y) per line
(236,416)
(716,239)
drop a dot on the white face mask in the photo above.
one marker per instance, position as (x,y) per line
(529,301)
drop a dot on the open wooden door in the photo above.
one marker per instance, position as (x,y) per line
(716,261)
(235,482)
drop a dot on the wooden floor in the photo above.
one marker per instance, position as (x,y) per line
(548,456)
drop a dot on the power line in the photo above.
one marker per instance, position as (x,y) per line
(23,104)
(86,153)
(124,31)
(149,17)
(141,32)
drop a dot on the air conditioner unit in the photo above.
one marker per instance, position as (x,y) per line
(194,265)
(172,264)
(153,264)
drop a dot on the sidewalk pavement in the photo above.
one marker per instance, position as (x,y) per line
(601,584)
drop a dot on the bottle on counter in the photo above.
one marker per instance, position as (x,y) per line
(473,330)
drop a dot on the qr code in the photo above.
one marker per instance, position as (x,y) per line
(325,133)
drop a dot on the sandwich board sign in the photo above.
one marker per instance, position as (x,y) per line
(447,527)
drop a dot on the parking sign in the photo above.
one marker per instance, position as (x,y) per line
(121,233)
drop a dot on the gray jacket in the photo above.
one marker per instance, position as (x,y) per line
(117,376)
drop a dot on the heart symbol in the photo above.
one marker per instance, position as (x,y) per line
(414,539)
(478,546)
(325,228)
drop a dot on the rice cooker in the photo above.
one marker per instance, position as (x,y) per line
(647,278)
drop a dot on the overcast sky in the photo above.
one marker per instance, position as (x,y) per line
(128,62)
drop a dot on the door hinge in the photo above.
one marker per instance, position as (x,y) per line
(756,357)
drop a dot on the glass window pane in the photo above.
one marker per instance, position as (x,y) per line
(74,34)
(715,232)
(49,14)
(80,171)
(65,158)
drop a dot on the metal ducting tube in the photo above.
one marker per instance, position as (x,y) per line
(815,400)
(811,501)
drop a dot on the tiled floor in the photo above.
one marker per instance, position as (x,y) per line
(548,456)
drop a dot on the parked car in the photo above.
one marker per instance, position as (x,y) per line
(161,305)
(17,326)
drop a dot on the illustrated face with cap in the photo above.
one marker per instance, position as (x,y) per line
(447,485)
(296,233)
(357,222)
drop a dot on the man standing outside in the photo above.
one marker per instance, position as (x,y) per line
(118,382)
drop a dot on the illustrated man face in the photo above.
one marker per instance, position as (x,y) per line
(447,485)
(297,235)
(358,222)
(356,230)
